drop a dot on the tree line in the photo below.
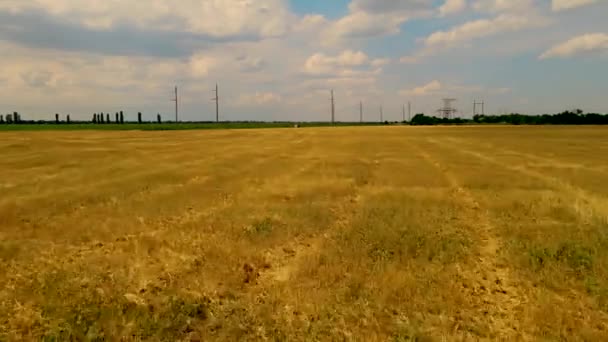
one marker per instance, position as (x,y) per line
(577,117)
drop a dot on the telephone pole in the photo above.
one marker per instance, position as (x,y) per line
(361,111)
(176,100)
(217,103)
(403,113)
(333,108)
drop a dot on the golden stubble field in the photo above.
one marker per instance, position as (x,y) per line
(385,233)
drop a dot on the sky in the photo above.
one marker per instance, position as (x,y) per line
(279,59)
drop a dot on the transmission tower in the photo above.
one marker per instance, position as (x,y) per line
(447,111)
(475,104)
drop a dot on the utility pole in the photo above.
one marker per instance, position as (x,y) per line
(217,103)
(361,111)
(403,113)
(333,108)
(176,100)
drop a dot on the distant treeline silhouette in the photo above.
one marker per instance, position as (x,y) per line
(577,117)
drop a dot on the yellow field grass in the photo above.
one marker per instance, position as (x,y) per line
(364,234)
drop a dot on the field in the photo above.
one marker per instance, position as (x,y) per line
(354,233)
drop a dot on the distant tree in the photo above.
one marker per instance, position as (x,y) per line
(1,119)
(68,119)
(117,119)
(122,118)
(158,118)
(421,119)
(94,118)
(100,120)
(108,118)
(16,117)
(9,118)
(139,117)
(56,118)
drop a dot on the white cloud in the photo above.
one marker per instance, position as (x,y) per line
(437,88)
(248,63)
(370,18)
(427,89)
(500,6)
(409,60)
(587,43)
(201,65)
(217,18)
(362,24)
(482,28)
(320,63)
(560,5)
(380,62)
(452,7)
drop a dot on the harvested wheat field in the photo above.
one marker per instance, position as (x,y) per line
(375,234)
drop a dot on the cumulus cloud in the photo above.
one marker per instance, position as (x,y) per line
(560,5)
(482,28)
(437,88)
(452,7)
(587,43)
(427,89)
(201,64)
(498,6)
(369,18)
(409,60)
(320,63)
(250,64)
(216,18)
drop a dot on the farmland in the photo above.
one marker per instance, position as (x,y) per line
(350,233)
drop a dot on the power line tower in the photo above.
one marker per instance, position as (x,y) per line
(176,100)
(447,111)
(475,104)
(333,108)
(216,91)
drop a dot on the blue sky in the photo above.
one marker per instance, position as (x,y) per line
(279,59)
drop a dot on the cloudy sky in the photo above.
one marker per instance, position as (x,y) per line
(278,59)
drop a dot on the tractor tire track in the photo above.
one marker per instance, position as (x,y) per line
(587,205)
(491,288)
